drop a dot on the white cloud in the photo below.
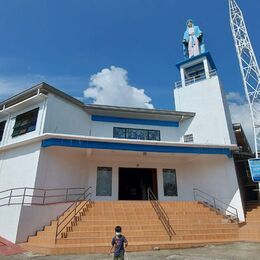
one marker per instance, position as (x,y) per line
(240,113)
(111,87)
(235,97)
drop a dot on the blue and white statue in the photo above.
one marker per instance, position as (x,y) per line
(193,43)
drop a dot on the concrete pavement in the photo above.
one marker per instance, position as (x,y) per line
(235,251)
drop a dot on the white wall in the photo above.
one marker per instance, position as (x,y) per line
(210,124)
(105,129)
(65,117)
(9,221)
(18,168)
(61,167)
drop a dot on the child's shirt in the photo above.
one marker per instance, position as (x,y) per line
(119,241)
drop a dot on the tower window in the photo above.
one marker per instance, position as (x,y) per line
(2,128)
(25,122)
(195,71)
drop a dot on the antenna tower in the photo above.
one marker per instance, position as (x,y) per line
(248,66)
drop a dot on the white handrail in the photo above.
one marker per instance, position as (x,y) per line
(195,79)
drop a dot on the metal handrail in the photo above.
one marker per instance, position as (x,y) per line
(196,78)
(160,213)
(10,196)
(215,203)
(74,211)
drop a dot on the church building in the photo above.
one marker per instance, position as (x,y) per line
(51,141)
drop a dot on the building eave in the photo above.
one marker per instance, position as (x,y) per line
(77,141)
(132,112)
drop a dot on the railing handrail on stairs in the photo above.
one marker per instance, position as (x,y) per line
(75,209)
(162,215)
(216,204)
(29,196)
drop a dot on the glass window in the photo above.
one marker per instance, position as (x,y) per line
(169,182)
(154,135)
(139,134)
(119,132)
(104,181)
(2,128)
(25,122)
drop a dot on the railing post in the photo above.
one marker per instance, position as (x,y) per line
(24,193)
(67,191)
(10,197)
(56,234)
(214,201)
(194,195)
(44,196)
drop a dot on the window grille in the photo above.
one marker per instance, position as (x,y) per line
(2,128)
(25,122)
(140,134)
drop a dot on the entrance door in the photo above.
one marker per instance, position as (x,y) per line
(134,182)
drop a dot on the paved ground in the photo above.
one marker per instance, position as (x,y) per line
(236,251)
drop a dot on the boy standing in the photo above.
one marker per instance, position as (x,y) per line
(119,243)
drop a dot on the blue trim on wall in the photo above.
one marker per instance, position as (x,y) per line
(135,121)
(207,54)
(134,147)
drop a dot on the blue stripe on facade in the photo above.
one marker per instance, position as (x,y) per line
(134,121)
(135,147)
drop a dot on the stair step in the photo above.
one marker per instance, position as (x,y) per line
(93,240)
(93,231)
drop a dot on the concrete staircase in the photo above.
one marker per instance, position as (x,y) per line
(250,230)
(193,223)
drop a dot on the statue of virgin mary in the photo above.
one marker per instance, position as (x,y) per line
(193,44)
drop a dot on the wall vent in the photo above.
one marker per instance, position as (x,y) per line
(188,138)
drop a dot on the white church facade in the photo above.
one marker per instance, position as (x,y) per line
(50,140)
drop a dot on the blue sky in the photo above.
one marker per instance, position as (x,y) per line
(65,42)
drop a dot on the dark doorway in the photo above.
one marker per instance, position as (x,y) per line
(134,182)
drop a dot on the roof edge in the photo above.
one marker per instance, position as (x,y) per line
(42,88)
(46,88)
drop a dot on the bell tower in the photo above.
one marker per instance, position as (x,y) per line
(200,91)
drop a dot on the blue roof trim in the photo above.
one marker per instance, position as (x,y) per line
(205,54)
(135,147)
(135,121)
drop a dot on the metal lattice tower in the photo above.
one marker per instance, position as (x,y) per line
(248,66)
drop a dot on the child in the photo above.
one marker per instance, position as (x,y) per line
(119,243)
